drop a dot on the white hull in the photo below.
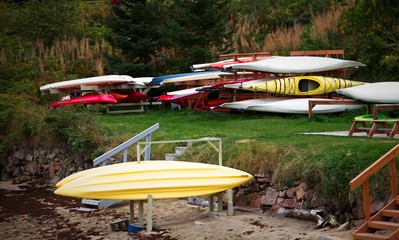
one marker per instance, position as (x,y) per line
(93,81)
(293,64)
(249,83)
(241,105)
(300,106)
(381,92)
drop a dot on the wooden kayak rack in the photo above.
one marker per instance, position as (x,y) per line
(390,127)
(313,103)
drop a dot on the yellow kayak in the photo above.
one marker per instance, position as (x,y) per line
(162,179)
(303,85)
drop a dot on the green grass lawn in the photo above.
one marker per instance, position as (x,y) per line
(259,143)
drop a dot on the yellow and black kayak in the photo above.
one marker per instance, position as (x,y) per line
(303,85)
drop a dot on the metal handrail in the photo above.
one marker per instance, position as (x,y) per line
(148,144)
(101,160)
(363,178)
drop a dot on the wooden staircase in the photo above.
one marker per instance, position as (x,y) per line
(385,223)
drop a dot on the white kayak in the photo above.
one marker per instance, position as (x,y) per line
(380,92)
(296,64)
(300,106)
(95,81)
(241,105)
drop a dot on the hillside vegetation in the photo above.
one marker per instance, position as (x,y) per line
(49,41)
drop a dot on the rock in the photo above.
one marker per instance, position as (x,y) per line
(31,167)
(331,238)
(52,169)
(270,198)
(376,206)
(4,174)
(291,192)
(275,207)
(16,172)
(301,191)
(29,157)
(344,227)
(254,200)
(289,203)
(54,180)
(20,155)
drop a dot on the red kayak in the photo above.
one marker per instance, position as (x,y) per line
(91,99)
(133,96)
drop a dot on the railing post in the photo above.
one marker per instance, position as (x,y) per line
(220,153)
(125,155)
(394,186)
(366,200)
(148,148)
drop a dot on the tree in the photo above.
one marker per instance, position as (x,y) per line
(133,34)
(371,33)
(195,32)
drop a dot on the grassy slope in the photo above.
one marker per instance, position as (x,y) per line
(327,162)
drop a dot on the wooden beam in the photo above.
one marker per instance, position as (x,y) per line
(131,208)
(366,200)
(326,53)
(230,202)
(313,103)
(149,213)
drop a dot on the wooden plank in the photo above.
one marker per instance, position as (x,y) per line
(141,213)
(395,130)
(326,53)
(381,107)
(131,208)
(230,202)
(149,213)
(254,56)
(313,103)
(394,186)
(211,203)
(366,200)
(369,236)
(392,226)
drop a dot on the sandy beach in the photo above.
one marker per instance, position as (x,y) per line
(33,211)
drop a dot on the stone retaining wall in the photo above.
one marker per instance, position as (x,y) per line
(54,163)
(51,164)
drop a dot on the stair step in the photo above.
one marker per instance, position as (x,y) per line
(369,236)
(383,225)
(390,213)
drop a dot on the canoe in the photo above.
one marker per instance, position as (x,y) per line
(300,106)
(381,92)
(91,99)
(302,85)
(162,179)
(93,81)
(296,64)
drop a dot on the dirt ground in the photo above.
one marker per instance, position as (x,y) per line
(33,211)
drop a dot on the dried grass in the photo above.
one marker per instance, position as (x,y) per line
(63,52)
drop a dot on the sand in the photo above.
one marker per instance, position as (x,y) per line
(33,211)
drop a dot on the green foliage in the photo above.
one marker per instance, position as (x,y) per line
(133,32)
(76,125)
(196,31)
(45,20)
(370,31)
